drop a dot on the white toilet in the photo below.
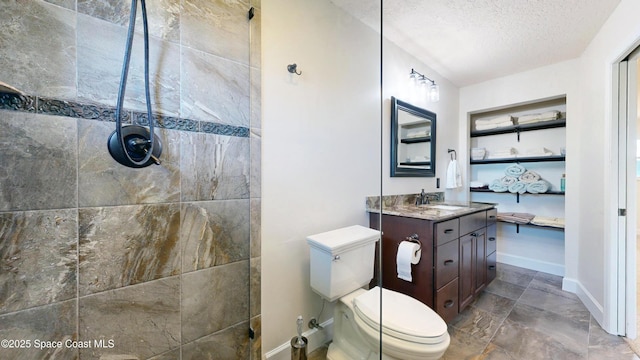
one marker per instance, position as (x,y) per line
(341,264)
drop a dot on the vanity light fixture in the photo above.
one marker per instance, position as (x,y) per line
(433,91)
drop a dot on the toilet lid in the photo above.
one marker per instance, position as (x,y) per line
(403,317)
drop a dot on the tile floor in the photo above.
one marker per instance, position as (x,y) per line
(524,314)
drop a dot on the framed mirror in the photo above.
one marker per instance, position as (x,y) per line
(413,140)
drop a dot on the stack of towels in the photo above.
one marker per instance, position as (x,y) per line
(517,179)
(494,123)
(534,118)
(525,218)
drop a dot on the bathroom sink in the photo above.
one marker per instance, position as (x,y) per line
(446,207)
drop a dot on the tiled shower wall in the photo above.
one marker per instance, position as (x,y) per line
(161,262)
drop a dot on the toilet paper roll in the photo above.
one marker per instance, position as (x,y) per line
(408,253)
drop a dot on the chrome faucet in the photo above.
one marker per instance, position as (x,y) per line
(422,199)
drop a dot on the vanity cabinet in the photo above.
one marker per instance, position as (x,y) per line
(457,258)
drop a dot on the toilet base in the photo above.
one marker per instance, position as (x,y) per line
(352,342)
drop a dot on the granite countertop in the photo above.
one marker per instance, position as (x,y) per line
(404,205)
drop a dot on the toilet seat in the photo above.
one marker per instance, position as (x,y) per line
(403,317)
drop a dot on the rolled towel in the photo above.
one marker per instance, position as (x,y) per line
(508,180)
(518,187)
(515,170)
(538,187)
(498,186)
(529,177)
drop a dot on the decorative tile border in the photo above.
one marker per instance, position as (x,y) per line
(47,106)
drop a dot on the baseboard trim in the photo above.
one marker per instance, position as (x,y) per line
(532,264)
(315,339)
(595,308)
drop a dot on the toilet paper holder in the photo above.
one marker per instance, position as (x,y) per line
(415,239)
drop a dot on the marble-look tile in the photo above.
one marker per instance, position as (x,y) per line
(256,225)
(552,300)
(255,27)
(478,323)
(38,257)
(38,162)
(169,355)
(604,346)
(256,166)
(38,48)
(495,304)
(55,322)
(256,99)
(531,333)
(254,296)
(214,167)
(230,343)
(102,181)
(214,299)
(163,15)
(126,245)
(69,4)
(463,345)
(142,320)
(256,342)
(494,352)
(217,27)
(515,275)
(214,233)
(100,55)
(505,289)
(214,89)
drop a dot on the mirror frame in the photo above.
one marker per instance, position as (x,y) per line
(396,170)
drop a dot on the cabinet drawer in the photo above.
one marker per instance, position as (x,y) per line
(446,263)
(491,267)
(446,231)
(492,239)
(447,301)
(492,216)
(472,222)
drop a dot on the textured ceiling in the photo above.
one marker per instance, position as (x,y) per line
(470,41)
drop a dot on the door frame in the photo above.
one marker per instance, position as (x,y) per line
(623,313)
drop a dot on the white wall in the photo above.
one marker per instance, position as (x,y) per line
(590,260)
(320,146)
(397,64)
(542,250)
(596,257)
(321,151)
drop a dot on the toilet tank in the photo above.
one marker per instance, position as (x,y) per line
(341,260)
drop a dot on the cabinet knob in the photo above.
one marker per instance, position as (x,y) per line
(448,304)
(447,262)
(448,231)
(492,216)
(492,239)
(474,234)
(492,267)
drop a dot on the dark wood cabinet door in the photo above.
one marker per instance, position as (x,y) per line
(466,271)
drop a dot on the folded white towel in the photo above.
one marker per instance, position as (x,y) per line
(493,125)
(454,175)
(531,118)
(495,120)
(548,221)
